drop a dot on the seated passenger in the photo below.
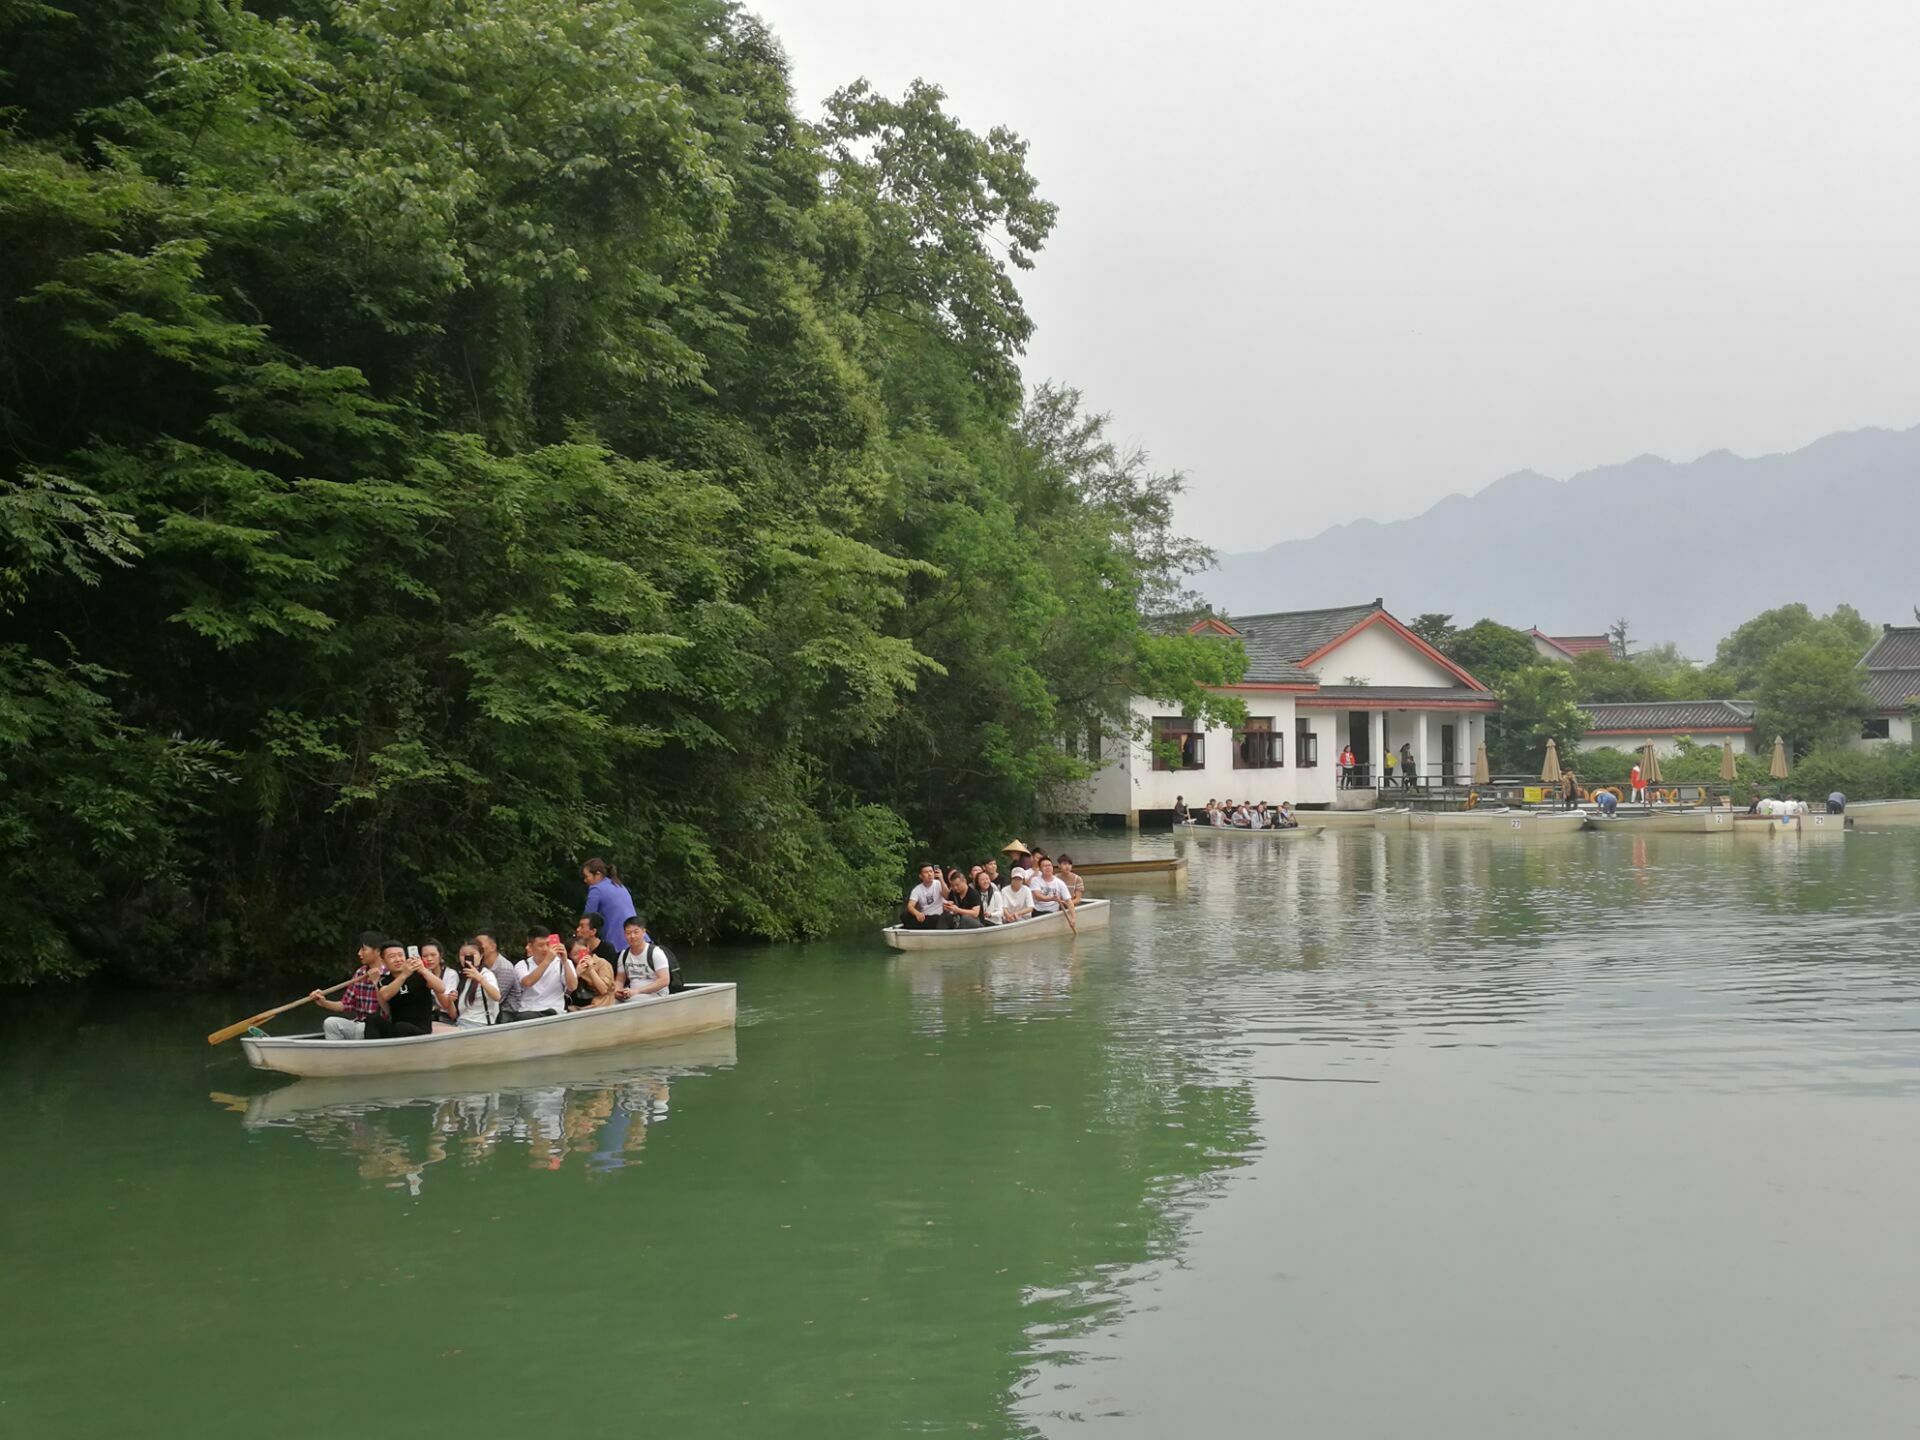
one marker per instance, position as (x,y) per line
(989,877)
(542,980)
(1257,817)
(1216,814)
(926,902)
(479,988)
(347,1016)
(408,997)
(1016,901)
(993,906)
(646,969)
(1050,892)
(1065,871)
(446,984)
(963,902)
(593,979)
(1285,818)
(587,930)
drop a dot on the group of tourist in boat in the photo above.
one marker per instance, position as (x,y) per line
(1036,884)
(1246,815)
(400,989)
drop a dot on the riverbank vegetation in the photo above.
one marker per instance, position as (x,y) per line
(441,442)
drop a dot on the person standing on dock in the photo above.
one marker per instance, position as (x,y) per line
(1569,790)
(1409,772)
(1386,764)
(1637,783)
(1346,767)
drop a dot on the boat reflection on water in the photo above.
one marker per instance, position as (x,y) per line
(597,1108)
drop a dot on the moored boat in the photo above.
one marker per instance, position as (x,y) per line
(1129,874)
(1664,822)
(1089,915)
(1885,812)
(1530,824)
(685,1012)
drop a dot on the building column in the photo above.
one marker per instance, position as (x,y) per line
(1420,726)
(1376,743)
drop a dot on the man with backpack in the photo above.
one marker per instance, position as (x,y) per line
(646,969)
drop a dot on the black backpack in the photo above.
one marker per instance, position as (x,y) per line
(675,984)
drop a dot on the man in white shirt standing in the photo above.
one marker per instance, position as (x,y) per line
(926,902)
(545,979)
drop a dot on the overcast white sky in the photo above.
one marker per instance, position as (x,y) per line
(1338,260)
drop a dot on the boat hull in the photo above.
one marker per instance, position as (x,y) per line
(1135,874)
(695,1009)
(1527,824)
(1885,812)
(1091,915)
(1677,822)
(1295,832)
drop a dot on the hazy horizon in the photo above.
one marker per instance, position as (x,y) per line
(1339,263)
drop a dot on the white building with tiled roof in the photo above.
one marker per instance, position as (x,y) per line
(1632,725)
(1316,682)
(1893,681)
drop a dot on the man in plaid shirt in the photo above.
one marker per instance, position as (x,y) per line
(361,998)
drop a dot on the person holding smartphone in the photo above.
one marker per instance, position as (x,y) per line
(542,980)
(407,997)
(479,987)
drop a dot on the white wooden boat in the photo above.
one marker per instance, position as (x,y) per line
(1282,832)
(1090,915)
(1664,822)
(692,1010)
(667,1060)
(1885,812)
(1135,874)
(1529,824)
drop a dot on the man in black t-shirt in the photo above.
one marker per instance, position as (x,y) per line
(588,929)
(406,998)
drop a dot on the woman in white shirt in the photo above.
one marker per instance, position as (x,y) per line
(477,988)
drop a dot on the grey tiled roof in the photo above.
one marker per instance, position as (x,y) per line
(1400,692)
(1681,715)
(1889,689)
(1276,643)
(1893,667)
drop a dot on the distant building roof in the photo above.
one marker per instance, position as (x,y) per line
(1575,644)
(1361,697)
(1675,717)
(1893,667)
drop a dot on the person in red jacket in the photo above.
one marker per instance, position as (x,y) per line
(1637,783)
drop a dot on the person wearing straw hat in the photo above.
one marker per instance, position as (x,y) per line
(1019,859)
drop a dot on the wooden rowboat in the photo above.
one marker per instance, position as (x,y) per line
(690,1011)
(1090,915)
(1127,874)
(1282,832)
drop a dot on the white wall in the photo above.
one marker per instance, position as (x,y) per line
(1664,745)
(1378,656)
(1132,784)
(1899,732)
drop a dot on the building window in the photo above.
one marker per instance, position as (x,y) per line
(1878,728)
(1178,744)
(1258,746)
(1306,745)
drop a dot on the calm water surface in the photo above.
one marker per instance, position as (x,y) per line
(1363,1135)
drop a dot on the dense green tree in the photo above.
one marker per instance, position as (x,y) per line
(1812,694)
(1597,676)
(1491,652)
(437,448)
(1434,628)
(1744,654)
(1536,705)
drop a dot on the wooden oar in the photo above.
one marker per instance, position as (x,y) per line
(243,1026)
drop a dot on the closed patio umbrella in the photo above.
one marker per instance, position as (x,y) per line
(1650,765)
(1482,773)
(1728,770)
(1550,772)
(1778,769)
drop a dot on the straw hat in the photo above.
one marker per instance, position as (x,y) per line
(1015,847)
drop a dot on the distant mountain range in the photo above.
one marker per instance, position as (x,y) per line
(1684,552)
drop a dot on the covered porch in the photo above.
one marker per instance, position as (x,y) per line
(1442,728)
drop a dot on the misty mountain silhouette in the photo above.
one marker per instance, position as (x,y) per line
(1686,552)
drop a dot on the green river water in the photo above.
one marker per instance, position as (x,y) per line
(1362,1135)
